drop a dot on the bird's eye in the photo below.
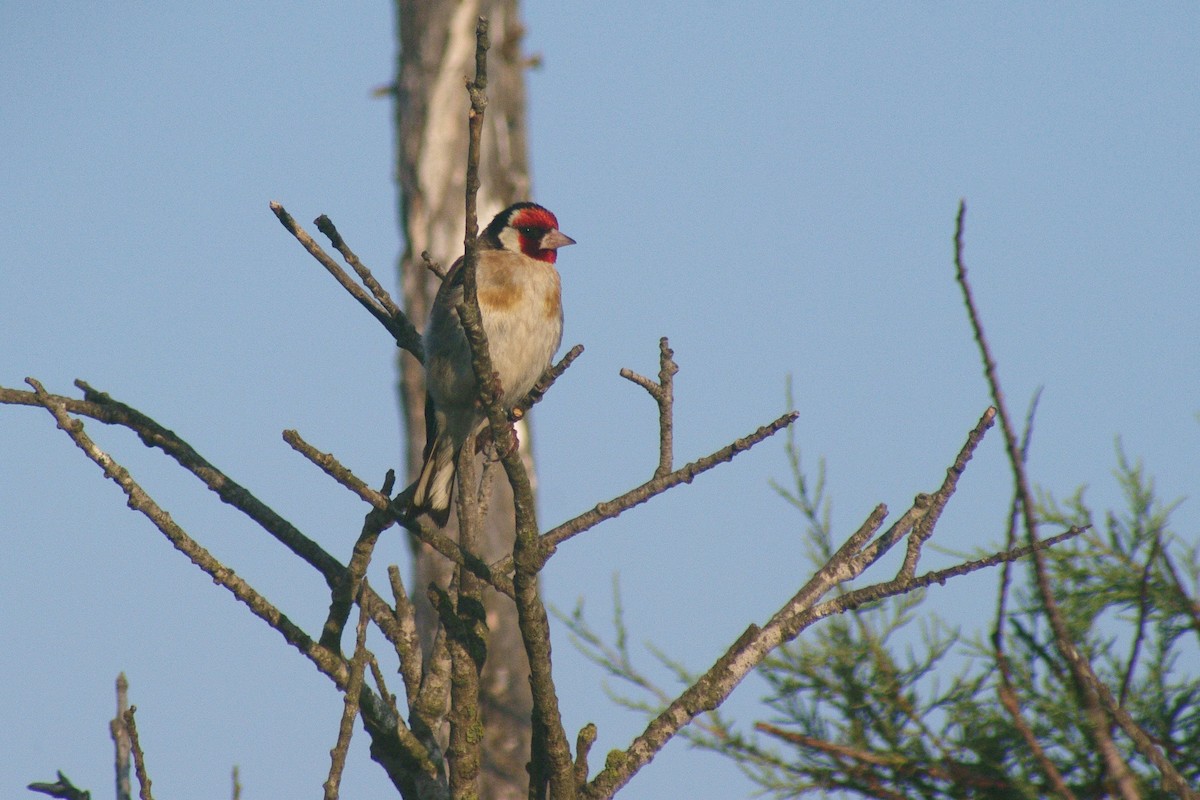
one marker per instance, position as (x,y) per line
(528,230)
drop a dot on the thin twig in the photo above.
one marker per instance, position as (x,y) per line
(342,595)
(923,528)
(546,381)
(139,758)
(398,325)
(870,594)
(1011,534)
(326,661)
(1006,690)
(1091,691)
(350,703)
(120,737)
(433,266)
(325,225)
(1142,618)
(638,495)
(329,464)
(62,788)
(663,393)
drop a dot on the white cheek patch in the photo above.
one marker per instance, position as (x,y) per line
(511,239)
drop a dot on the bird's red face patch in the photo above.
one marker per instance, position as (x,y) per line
(531,224)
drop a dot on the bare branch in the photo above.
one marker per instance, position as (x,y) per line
(711,689)
(408,644)
(398,325)
(545,382)
(120,737)
(870,594)
(1094,695)
(326,661)
(433,266)
(103,408)
(403,762)
(61,788)
(1006,690)
(350,702)
(1142,618)
(325,225)
(923,528)
(663,393)
(343,593)
(139,758)
(685,474)
(334,469)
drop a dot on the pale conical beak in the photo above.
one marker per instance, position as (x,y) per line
(555,239)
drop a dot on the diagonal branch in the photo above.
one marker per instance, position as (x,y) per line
(325,225)
(802,610)
(350,707)
(397,323)
(1006,690)
(923,528)
(353,584)
(396,749)
(103,408)
(655,486)
(381,502)
(326,661)
(1092,692)
(546,381)
(139,758)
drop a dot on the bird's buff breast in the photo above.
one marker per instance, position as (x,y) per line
(522,317)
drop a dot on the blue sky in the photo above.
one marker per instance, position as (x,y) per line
(772,186)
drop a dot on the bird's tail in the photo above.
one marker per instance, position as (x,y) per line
(435,485)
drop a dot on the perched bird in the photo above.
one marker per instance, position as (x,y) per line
(521,305)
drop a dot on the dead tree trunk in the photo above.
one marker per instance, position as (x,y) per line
(437,50)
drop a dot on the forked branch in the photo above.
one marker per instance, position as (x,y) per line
(663,393)
(805,608)
(379,305)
